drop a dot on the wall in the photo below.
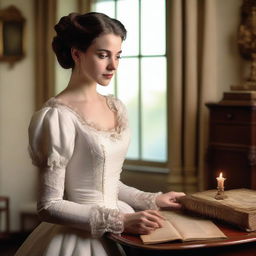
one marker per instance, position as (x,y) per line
(231,68)
(17,176)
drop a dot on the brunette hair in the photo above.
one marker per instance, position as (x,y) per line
(79,31)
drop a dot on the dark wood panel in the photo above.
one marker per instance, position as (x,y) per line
(233,134)
(233,162)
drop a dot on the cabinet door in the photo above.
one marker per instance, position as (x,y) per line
(233,162)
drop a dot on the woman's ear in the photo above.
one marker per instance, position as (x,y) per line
(75,53)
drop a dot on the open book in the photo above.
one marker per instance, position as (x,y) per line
(238,208)
(179,226)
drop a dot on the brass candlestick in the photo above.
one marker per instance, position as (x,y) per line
(220,193)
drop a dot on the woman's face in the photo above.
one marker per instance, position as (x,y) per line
(100,61)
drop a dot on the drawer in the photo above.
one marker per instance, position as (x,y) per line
(242,134)
(232,115)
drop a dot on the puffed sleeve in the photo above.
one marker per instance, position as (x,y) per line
(136,198)
(52,137)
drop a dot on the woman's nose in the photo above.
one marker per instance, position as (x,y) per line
(112,64)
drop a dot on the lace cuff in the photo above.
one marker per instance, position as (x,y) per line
(105,220)
(146,201)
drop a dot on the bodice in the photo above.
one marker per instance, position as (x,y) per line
(93,157)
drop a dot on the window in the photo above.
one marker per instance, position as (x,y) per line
(141,81)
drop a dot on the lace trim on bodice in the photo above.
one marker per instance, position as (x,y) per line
(113,104)
(103,220)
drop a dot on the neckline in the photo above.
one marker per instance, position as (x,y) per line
(111,104)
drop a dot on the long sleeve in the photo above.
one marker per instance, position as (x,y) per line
(136,198)
(51,143)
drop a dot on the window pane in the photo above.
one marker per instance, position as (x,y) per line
(128,14)
(128,92)
(153,27)
(105,6)
(154,135)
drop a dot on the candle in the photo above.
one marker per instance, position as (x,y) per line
(220,181)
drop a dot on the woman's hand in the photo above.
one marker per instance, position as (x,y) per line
(169,200)
(142,222)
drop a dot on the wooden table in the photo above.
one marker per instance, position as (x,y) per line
(238,243)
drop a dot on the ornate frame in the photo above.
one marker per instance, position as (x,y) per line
(11,35)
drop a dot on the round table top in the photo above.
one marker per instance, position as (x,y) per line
(235,236)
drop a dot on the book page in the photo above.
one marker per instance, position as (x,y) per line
(163,234)
(193,228)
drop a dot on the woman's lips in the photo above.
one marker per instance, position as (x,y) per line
(108,76)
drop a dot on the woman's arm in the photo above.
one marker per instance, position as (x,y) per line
(136,198)
(53,208)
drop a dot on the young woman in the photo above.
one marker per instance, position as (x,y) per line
(79,140)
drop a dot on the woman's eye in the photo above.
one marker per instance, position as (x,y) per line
(118,56)
(102,56)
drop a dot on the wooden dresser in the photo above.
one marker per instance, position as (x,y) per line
(232,141)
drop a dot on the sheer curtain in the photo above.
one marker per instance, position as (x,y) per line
(192,83)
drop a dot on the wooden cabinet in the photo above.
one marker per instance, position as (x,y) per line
(232,141)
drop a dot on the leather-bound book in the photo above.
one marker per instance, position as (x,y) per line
(238,208)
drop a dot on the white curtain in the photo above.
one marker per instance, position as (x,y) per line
(192,83)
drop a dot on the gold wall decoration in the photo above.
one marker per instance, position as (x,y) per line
(12,25)
(247,42)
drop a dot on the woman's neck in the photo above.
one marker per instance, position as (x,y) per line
(80,90)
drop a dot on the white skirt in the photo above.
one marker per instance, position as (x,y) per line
(57,240)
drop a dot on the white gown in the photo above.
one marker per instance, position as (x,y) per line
(81,196)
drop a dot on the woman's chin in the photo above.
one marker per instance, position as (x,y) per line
(104,84)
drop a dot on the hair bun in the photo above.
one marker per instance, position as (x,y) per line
(63,52)
(79,31)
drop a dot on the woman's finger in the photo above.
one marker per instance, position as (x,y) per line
(174,205)
(155,213)
(151,224)
(155,220)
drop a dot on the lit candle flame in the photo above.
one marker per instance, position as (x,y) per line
(221,180)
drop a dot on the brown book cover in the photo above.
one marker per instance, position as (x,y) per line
(181,227)
(238,208)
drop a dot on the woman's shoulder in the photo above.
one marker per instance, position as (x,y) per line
(52,105)
(51,112)
(50,128)
(115,103)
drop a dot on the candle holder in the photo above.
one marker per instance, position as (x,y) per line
(220,193)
